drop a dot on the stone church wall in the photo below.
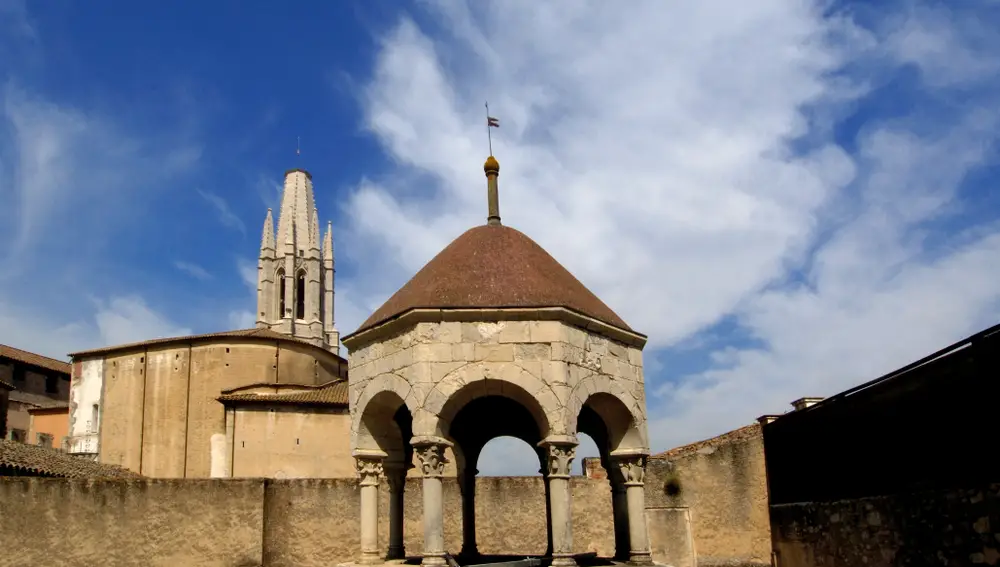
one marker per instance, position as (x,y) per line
(250,522)
(159,415)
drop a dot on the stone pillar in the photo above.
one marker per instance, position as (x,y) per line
(369,472)
(432,462)
(468,485)
(561,451)
(633,469)
(396,477)
(619,507)
(544,471)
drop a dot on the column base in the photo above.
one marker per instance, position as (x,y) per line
(469,552)
(396,552)
(563,561)
(434,560)
(640,558)
(370,559)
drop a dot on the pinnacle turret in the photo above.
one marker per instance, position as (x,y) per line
(267,240)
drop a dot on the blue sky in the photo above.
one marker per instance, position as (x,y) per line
(789,200)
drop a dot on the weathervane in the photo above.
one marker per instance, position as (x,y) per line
(298,145)
(490,123)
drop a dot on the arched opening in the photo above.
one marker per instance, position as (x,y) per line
(385,427)
(612,427)
(280,276)
(300,295)
(474,416)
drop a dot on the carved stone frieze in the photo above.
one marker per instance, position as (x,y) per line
(561,459)
(369,470)
(432,459)
(633,469)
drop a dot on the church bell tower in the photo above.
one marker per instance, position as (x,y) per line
(295,270)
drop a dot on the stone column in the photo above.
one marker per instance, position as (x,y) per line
(468,484)
(396,477)
(633,469)
(544,471)
(432,462)
(561,452)
(369,471)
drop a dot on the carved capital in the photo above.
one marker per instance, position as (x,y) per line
(396,478)
(633,469)
(369,470)
(432,459)
(560,460)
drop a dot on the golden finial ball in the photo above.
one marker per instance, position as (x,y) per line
(491,166)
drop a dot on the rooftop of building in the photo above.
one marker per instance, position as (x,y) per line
(334,394)
(736,435)
(34,359)
(252,333)
(28,460)
(493,267)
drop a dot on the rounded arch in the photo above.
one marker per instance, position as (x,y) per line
(382,417)
(300,294)
(621,415)
(463,385)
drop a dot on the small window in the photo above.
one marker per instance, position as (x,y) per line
(18,374)
(44,440)
(281,293)
(18,435)
(51,384)
(300,299)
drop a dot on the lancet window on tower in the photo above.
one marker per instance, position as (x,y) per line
(300,296)
(281,292)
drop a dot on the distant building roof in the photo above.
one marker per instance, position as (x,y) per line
(63,406)
(23,459)
(36,400)
(34,359)
(254,333)
(743,433)
(7,385)
(330,394)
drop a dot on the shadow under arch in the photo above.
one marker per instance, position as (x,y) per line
(614,427)
(474,415)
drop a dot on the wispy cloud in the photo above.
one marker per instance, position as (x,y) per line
(714,170)
(193,270)
(225,214)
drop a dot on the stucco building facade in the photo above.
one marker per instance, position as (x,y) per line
(36,382)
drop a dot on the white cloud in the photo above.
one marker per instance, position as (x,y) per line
(226,216)
(649,149)
(128,319)
(193,270)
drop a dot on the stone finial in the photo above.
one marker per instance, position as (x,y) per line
(314,231)
(492,169)
(328,242)
(267,240)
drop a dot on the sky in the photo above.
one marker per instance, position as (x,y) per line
(789,197)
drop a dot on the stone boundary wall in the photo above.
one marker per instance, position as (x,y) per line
(945,527)
(255,522)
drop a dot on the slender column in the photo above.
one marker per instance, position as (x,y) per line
(633,469)
(619,506)
(396,476)
(544,471)
(369,471)
(468,484)
(561,453)
(432,462)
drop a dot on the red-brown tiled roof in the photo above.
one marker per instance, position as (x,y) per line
(33,359)
(331,394)
(43,461)
(493,267)
(241,333)
(748,432)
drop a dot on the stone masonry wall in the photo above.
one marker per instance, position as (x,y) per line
(252,522)
(559,365)
(954,527)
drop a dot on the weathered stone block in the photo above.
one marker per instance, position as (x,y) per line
(463,351)
(617,350)
(546,331)
(515,332)
(439,370)
(555,372)
(448,332)
(575,336)
(495,352)
(433,352)
(634,356)
(532,351)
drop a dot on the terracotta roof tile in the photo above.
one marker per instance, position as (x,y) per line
(493,267)
(33,359)
(253,333)
(50,462)
(748,432)
(332,394)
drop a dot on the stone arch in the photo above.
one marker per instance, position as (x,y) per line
(374,425)
(476,380)
(623,415)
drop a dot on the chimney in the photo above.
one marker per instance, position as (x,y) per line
(803,403)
